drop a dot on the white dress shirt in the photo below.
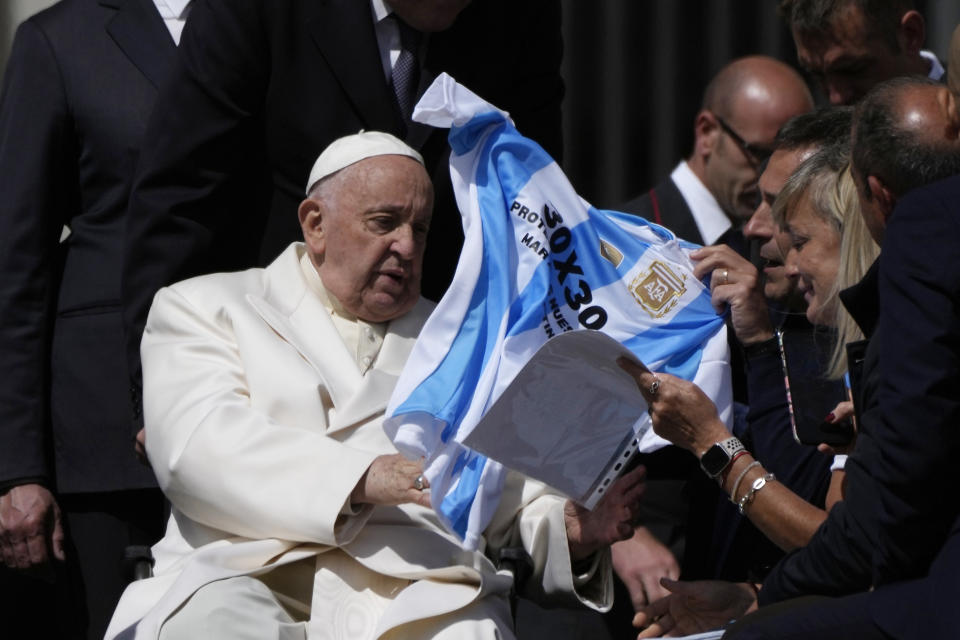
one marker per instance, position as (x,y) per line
(174,14)
(711,221)
(363,339)
(388,36)
(936,69)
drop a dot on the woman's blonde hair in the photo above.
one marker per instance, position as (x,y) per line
(825,180)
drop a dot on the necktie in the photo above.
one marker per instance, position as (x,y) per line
(406,70)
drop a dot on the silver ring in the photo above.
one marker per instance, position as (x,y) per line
(725,274)
(654,386)
(419,483)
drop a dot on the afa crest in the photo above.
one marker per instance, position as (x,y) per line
(658,290)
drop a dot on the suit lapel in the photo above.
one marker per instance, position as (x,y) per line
(343,31)
(310,331)
(676,212)
(300,319)
(139,31)
(374,392)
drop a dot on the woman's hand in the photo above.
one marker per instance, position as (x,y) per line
(681,412)
(843,411)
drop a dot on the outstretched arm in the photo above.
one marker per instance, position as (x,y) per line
(682,414)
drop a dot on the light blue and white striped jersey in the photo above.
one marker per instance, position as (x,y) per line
(537,261)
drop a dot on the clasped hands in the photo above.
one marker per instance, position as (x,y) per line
(31,530)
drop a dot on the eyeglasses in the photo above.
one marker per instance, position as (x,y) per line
(756,154)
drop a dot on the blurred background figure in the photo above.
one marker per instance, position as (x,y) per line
(710,195)
(848,46)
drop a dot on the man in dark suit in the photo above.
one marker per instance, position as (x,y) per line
(713,192)
(261,87)
(79,86)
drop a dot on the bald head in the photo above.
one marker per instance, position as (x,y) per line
(906,134)
(744,106)
(758,81)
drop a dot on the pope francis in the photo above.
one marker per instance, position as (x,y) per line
(293,515)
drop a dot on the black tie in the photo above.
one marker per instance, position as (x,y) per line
(406,71)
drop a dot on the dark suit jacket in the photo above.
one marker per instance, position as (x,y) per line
(918,609)
(262,86)
(79,86)
(923,608)
(665,205)
(900,494)
(919,339)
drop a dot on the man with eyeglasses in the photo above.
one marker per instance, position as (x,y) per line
(715,189)
(706,199)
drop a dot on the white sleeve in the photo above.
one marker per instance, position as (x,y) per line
(222,462)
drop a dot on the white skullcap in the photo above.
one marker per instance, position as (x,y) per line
(347,150)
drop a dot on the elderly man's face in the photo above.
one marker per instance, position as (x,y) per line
(851,59)
(366,233)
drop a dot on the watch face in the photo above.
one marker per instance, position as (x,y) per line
(714,460)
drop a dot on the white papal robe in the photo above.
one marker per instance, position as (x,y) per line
(259,424)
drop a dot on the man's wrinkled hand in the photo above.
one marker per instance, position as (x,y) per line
(30,527)
(694,607)
(391,480)
(610,520)
(640,561)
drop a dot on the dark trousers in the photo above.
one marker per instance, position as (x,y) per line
(77,598)
(819,617)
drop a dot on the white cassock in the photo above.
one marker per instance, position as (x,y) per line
(260,422)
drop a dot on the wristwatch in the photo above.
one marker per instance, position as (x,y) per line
(715,459)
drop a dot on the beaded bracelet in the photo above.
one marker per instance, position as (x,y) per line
(736,485)
(758,484)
